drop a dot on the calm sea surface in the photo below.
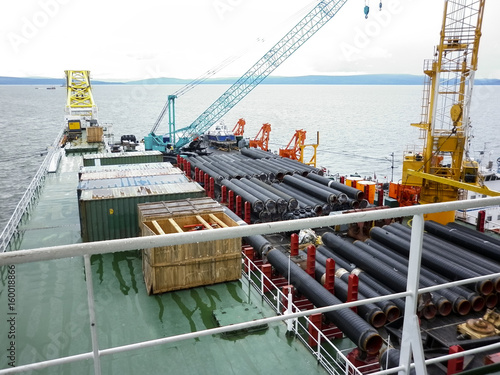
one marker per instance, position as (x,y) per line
(359,126)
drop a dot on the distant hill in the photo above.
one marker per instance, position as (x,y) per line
(364,79)
(41,81)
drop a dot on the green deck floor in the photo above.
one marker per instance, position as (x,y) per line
(52,319)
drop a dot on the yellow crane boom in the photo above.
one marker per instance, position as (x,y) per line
(445,121)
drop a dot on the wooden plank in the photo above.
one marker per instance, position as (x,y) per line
(201,220)
(175,225)
(157,227)
(218,221)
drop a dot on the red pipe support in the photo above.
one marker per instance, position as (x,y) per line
(314,329)
(311,260)
(223,194)
(230,200)
(342,180)
(455,365)
(196,172)
(249,253)
(248,212)
(352,290)
(294,245)
(267,271)
(481,219)
(238,206)
(330,275)
(284,300)
(206,185)
(212,188)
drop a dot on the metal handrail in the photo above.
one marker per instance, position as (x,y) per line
(31,255)
(22,207)
(323,357)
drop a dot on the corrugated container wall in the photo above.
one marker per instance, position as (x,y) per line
(122,158)
(111,213)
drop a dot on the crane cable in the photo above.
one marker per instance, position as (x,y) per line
(223,64)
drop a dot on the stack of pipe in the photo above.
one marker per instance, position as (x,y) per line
(255,174)
(293,165)
(384,258)
(391,278)
(352,325)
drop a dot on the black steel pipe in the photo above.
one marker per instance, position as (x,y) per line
(375,267)
(391,311)
(312,190)
(340,196)
(311,200)
(302,200)
(207,163)
(300,165)
(259,243)
(281,204)
(257,204)
(484,247)
(354,327)
(292,202)
(454,253)
(473,300)
(255,154)
(289,168)
(217,174)
(445,300)
(435,262)
(249,170)
(270,172)
(349,190)
(472,260)
(474,233)
(390,358)
(278,170)
(269,204)
(370,312)
(233,172)
(378,287)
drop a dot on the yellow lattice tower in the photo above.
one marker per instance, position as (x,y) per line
(80,102)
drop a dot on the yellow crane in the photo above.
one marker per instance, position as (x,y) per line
(81,110)
(443,166)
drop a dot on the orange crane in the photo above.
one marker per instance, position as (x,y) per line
(239,128)
(295,148)
(261,140)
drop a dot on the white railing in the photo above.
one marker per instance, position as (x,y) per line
(411,346)
(22,208)
(334,365)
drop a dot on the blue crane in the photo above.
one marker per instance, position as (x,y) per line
(323,12)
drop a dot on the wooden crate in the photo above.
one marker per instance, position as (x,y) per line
(185,266)
(190,274)
(94,134)
(192,206)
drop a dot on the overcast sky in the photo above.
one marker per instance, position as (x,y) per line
(177,38)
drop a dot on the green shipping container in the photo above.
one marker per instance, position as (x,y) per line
(111,213)
(122,158)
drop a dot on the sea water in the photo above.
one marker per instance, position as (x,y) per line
(362,129)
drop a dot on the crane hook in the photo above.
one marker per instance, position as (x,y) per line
(380,5)
(367,10)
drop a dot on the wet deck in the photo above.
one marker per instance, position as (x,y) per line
(52,318)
